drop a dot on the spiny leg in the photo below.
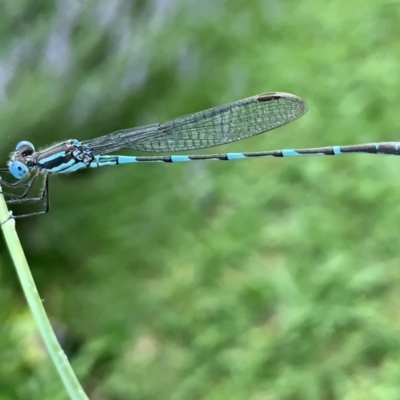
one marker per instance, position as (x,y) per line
(19,183)
(28,186)
(44,194)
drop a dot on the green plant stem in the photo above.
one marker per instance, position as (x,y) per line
(49,338)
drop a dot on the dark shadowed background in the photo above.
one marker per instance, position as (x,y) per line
(262,279)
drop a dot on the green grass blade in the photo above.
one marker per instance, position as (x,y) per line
(57,354)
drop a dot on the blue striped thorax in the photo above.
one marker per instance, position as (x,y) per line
(63,157)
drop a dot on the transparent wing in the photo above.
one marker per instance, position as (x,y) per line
(208,128)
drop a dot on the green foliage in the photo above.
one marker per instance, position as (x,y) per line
(261,279)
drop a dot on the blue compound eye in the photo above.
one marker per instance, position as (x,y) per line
(25,147)
(18,169)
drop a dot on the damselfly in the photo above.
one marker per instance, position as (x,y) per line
(208,128)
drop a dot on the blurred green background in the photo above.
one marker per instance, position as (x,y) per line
(261,279)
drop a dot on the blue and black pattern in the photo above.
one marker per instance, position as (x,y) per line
(209,128)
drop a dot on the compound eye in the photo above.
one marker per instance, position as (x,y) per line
(25,148)
(18,169)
